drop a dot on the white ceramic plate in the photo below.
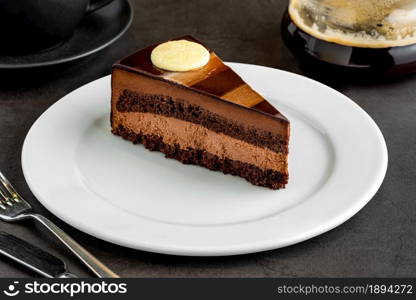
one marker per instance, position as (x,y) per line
(127,195)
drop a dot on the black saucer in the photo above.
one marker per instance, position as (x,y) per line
(96,32)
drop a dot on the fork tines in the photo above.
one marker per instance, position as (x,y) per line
(7,192)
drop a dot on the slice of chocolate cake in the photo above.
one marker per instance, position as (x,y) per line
(179,98)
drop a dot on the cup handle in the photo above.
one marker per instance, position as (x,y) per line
(96,4)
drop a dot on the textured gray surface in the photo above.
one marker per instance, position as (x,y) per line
(379,241)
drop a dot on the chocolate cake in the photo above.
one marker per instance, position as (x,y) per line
(207,116)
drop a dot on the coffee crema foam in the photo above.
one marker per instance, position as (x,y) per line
(357,23)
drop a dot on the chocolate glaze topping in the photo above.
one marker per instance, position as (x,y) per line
(215,78)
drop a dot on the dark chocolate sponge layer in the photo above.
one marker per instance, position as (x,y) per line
(253,174)
(130,101)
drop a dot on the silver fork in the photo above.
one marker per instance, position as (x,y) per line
(14,208)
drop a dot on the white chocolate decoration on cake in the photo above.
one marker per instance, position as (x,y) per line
(180,56)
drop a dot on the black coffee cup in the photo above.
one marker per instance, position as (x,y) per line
(28,26)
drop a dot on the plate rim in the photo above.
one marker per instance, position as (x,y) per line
(250,247)
(74,57)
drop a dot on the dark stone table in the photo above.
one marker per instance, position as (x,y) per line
(379,241)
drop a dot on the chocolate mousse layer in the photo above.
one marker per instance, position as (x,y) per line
(187,135)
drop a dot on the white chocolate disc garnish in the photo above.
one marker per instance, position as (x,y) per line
(180,56)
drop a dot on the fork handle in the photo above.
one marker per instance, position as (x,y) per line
(87,258)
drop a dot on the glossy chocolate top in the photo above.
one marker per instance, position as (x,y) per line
(214,78)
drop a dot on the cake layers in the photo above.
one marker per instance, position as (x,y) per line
(195,127)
